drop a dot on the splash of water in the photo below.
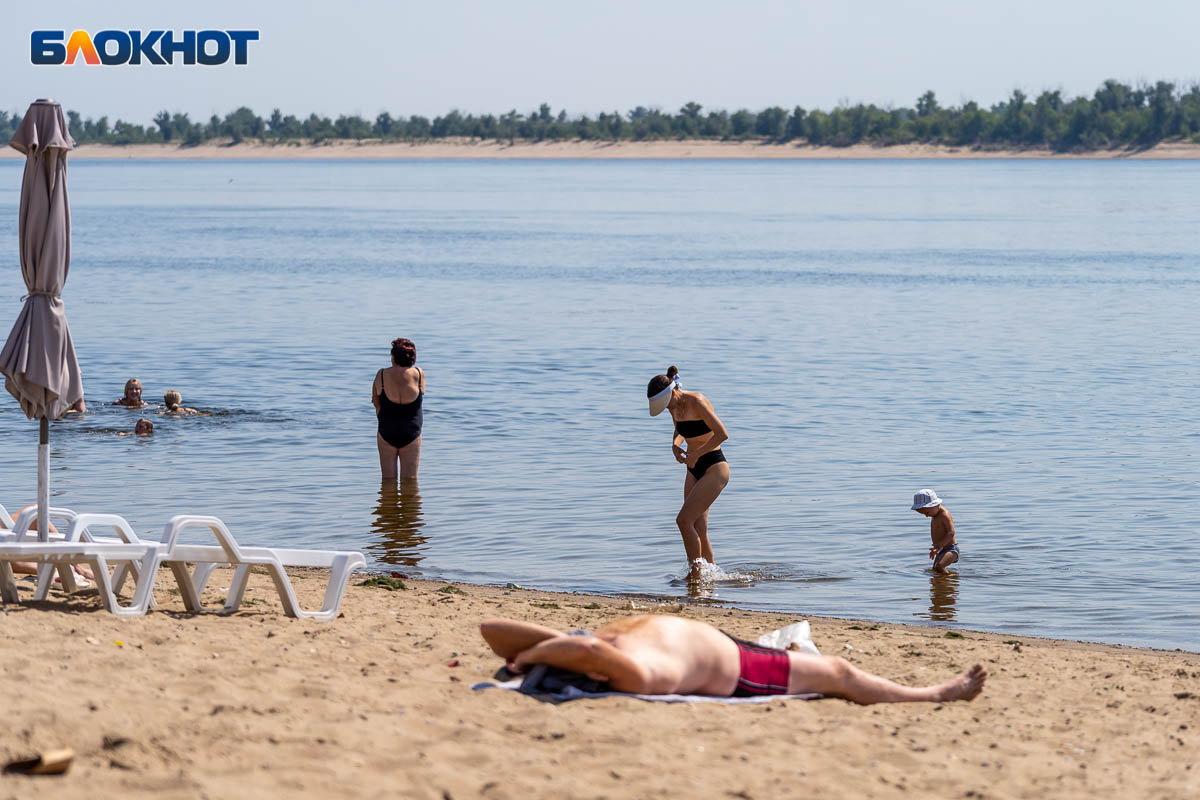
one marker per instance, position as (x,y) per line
(708,573)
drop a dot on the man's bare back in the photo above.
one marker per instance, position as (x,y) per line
(663,654)
(682,656)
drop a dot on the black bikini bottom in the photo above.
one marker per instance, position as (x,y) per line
(705,461)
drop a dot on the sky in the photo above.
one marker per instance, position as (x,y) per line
(485,57)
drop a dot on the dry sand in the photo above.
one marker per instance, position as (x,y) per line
(606,150)
(378,703)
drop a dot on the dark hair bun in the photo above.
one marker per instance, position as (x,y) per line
(672,371)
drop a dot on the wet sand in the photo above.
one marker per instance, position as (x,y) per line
(702,149)
(378,702)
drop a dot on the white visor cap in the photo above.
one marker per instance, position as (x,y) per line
(659,402)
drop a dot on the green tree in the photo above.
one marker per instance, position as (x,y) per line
(163,120)
(795,124)
(275,124)
(715,125)
(927,104)
(418,127)
(741,123)
(318,128)
(74,125)
(771,122)
(816,127)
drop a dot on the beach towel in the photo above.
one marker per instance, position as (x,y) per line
(555,685)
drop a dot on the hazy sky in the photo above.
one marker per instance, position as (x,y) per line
(429,57)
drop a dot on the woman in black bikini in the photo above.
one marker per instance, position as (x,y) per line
(707,470)
(397,393)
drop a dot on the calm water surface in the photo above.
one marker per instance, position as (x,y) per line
(1019,336)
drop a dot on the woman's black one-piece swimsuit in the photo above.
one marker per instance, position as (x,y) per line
(399,423)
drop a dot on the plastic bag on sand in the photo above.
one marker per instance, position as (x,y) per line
(796,636)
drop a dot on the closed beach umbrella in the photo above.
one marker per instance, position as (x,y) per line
(38,359)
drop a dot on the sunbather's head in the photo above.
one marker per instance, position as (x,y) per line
(172,400)
(143,427)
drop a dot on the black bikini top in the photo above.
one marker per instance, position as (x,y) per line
(691,428)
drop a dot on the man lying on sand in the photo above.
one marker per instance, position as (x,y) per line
(671,655)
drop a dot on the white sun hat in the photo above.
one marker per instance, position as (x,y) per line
(926,498)
(660,401)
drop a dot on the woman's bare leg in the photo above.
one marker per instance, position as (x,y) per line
(705,545)
(387,458)
(410,459)
(695,505)
(837,677)
(508,637)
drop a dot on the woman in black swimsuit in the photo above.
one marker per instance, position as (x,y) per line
(397,393)
(707,470)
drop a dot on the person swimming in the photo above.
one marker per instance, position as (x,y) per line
(133,394)
(173,401)
(143,427)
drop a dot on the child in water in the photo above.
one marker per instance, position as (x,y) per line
(143,427)
(944,550)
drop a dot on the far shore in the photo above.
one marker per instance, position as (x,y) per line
(686,149)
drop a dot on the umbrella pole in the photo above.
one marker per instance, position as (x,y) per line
(43,489)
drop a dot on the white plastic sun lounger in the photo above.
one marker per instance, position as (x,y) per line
(77,531)
(12,531)
(177,555)
(131,555)
(126,553)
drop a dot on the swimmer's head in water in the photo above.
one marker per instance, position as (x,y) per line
(143,427)
(404,352)
(660,389)
(133,387)
(172,398)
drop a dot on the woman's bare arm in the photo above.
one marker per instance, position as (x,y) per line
(719,434)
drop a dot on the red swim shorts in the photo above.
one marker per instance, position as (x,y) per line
(764,670)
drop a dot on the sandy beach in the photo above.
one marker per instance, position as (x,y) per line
(697,149)
(378,703)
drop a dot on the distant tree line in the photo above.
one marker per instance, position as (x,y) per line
(1117,115)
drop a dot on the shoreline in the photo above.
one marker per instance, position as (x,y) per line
(623,150)
(178,705)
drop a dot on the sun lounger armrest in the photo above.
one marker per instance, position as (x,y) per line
(29,516)
(79,530)
(180,522)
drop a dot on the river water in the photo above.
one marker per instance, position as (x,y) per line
(1020,336)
